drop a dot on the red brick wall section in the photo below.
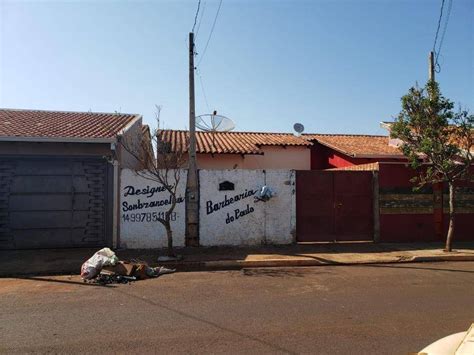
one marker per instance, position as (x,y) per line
(405,215)
(415,216)
(464,207)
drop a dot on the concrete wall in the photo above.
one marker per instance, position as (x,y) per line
(131,141)
(220,161)
(274,157)
(141,202)
(235,218)
(229,217)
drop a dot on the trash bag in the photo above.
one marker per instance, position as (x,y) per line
(265,194)
(142,271)
(92,267)
(158,271)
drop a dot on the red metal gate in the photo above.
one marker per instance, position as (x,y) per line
(334,205)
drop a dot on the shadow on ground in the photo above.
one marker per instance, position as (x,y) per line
(69,282)
(410,266)
(68,261)
(271,272)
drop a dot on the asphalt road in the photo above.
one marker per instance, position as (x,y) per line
(378,309)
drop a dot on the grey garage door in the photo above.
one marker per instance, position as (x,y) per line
(53,203)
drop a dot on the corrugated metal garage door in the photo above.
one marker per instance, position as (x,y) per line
(53,203)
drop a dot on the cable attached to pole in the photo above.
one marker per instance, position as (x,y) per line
(210,34)
(196,16)
(437,51)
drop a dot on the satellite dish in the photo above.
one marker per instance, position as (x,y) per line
(214,123)
(299,128)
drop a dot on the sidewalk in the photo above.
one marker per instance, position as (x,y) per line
(69,261)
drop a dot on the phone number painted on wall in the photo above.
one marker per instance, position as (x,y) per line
(146,216)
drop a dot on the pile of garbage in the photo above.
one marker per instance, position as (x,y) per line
(104,267)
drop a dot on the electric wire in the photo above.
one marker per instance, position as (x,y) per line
(437,46)
(196,15)
(445,26)
(439,25)
(200,20)
(210,34)
(203,90)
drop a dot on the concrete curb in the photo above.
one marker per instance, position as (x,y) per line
(217,265)
(242,264)
(443,258)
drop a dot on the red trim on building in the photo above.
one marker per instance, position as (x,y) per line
(323,157)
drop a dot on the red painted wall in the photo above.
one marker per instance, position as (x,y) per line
(464,222)
(396,175)
(395,179)
(419,227)
(323,157)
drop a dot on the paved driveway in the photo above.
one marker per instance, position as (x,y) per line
(380,309)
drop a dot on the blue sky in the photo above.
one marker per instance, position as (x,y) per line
(335,66)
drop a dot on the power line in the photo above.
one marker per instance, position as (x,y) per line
(196,16)
(439,24)
(445,26)
(200,20)
(202,88)
(210,34)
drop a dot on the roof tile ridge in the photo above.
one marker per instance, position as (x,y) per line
(65,111)
(255,132)
(234,132)
(345,135)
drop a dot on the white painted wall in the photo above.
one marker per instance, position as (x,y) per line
(242,221)
(137,226)
(239,221)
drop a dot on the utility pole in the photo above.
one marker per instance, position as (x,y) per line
(437,188)
(192,186)
(431,71)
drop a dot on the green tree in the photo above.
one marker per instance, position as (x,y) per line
(433,133)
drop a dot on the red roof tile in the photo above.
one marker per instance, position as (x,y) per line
(57,124)
(356,145)
(230,142)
